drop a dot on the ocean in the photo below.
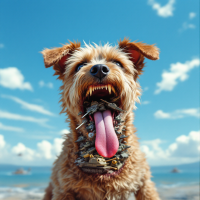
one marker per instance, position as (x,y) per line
(36,180)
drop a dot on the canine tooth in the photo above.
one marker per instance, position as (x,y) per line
(106,87)
(113,89)
(90,91)
(87,93)
(109,88)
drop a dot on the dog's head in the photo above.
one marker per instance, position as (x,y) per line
(100,75)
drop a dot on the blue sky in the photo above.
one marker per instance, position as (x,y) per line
(167,119)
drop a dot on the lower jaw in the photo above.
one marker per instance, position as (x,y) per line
(96,172)
(103,169)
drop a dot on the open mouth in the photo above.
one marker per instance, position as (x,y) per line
(105,149)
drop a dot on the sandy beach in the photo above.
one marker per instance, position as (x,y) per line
(183,193)
(180,193)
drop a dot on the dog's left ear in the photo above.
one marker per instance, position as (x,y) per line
(57,57)
(138,51)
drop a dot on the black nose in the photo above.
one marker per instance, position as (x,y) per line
(99,71)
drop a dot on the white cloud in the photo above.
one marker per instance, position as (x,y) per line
(178,72)
(163,11)
(28,106)
(192,15)
(186,146)
(44,154)
(12,116)
(26,153)
(177,114)
(12,78)
(185,149)
(10,128)
(45,148)
(58,145)
(2,142)
(1,46)
(43,84)
(64,131)
(152,146)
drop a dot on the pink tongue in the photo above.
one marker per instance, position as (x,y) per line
(106,142)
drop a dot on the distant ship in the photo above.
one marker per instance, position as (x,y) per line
(175,170)
(22,171)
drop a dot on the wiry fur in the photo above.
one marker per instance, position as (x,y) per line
(68,181)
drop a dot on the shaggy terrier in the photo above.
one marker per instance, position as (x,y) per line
(100,158)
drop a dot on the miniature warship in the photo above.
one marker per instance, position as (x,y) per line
(88,158)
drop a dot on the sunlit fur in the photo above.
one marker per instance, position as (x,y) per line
(67,180)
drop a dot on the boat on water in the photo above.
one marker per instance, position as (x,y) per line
(175,170)
(21,171)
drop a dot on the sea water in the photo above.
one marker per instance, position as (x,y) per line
(36,180)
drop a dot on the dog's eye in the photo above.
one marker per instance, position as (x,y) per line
(80,66)
(118,64)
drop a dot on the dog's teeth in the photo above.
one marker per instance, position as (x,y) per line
(87,93)
(109,89)
(90,91)
(113,89)
(106,87)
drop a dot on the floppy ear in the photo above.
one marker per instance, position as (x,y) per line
(138,51)
(57,57)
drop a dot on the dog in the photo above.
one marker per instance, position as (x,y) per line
(100,158)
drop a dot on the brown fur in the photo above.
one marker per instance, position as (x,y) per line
(68,181)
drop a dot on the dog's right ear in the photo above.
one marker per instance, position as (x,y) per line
(57,57)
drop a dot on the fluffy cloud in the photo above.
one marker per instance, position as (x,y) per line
(45,148)
(12,78)
(64,131)
(57,146)
(178,72)
(48,85)
(25,152)
(186,146)
(177,114)
(44,154)
(163,11)
(28,106)
(10,128)
(2,142)
(12,116)
(185,149)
